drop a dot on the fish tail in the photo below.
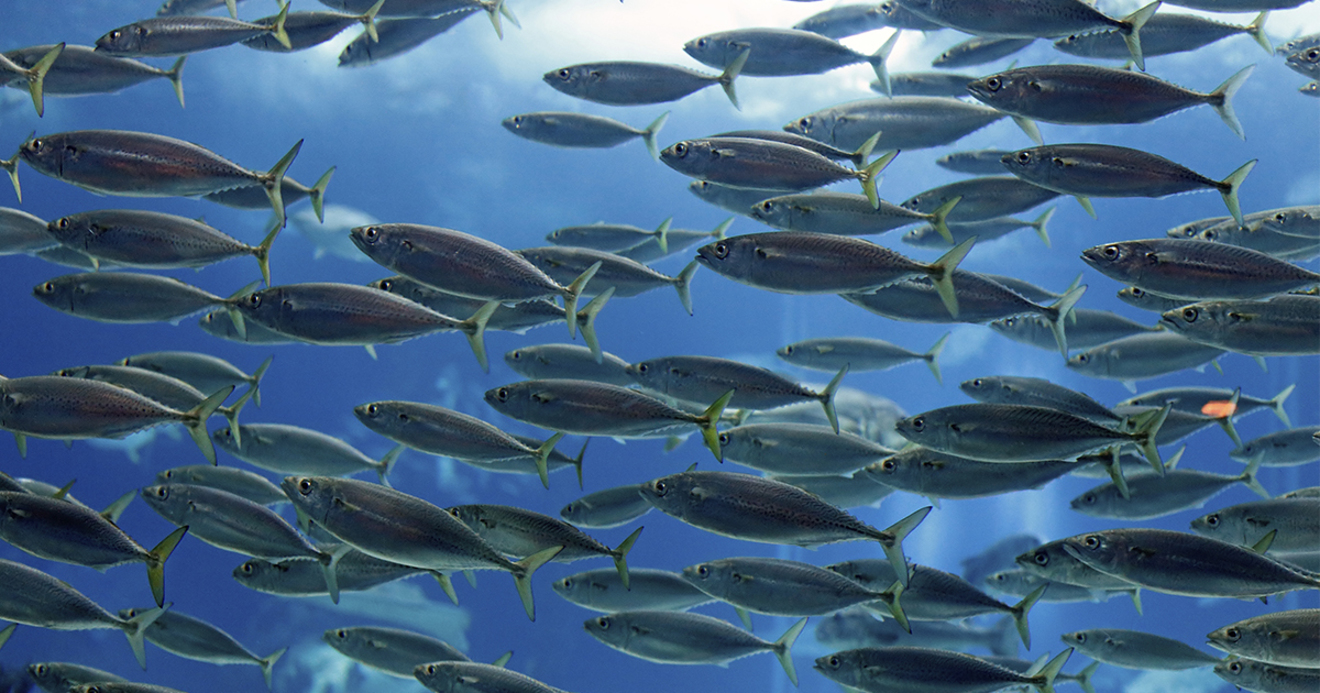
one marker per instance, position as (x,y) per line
(317,193)
(1043,676)
(156,563)
(571,294)
(862,153)
(1257,31)
(1130,30)
(648,135)
(542,458)
(662,235)
(493,10)
(117,508)
(36,78)
(1276,405)
(386,464)
(783,649)
(1229,189)
(932,357)
(7,633)
(475,330)
(330,570)
(509,15)
(522,576)
(277,27)
(10,165)
(1221,99)
(268,662)
(136,630)
(175,76)
(1147,427)
(446,584)
(870,175)
(588,321)
(273,179)
(1249,478)
(877,60)
(254,380)
(1040,223)
(941,272)
(1057,316)
(368,20)
(620,556)
(891,540)
(262,253)
(891,597)
(827,398)
(720,232)
(731,73)
(708,421)
(577,461)
(1084,676)
(231,415)
(939,219)
(195,421)
(683,284)
(1020,611)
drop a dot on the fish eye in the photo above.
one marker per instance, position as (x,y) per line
(643,368)
(1088,498)
(254,300)
(1083,358)
(372,410)
(804,123)
(63,223)
(701,43)
(1080,638)
(1137,293)
(40,669)
(603,622)
(502,394)
(919,424)
(564,73)
(1041,558)
(566,582)
(724,439)
(888,465)
(1235,667)
(114,35)
(1091,542)
(721,250)
(515,354)
(1189,314)
(341,634)
(681,149)
(767,206)
(1110,252)
(304,486)
(993,84)
(1209,234)
(1212,520)
(976,383)
(1313,54)
(1281,217)
(247,568)
(1024,157)
(430,668)
(162,492)
(702,570)
(517,120)
(660,487)
(834,661)
(48,287)
(1233,634)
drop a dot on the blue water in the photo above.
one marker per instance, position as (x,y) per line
(418,139)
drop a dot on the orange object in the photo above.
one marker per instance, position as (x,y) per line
(1219,408)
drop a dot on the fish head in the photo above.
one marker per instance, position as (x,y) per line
(256,573)
(928,430)
(217,323)
(74,231)
(1045,560)
(888,468)
(715,50)
(1007,581)
(61,293)
(313,496)
(1094,361)
(1094,502)
(924,237)
(1307,59)
(579,589)
(1122,261)
(224,438)
(1229,638)
(1099,550)
(1246,674)
(1214,525)
(520,124)
(356,54)
(383,243)
(575,80)
(50,676)
(777,212)
(713,577)
(733,257)
(1205,318)
(817,126)
(443,677)
(170,500)
(472,516)
(386,418)
(1083,640)
(516,400)
(671,494)
(841,667)
(1007,89)
(611,629)
(652,375)
(347,641)
(984,389)
(1034,164)
(1134,296)
(693,157)
(126,40)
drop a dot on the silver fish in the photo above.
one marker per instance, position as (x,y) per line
(979,50)
(1281,449)
(1281,326)
(627,277)
(203,371)
(842,21)
(171,392)
(937,475)
(602,590)
(1010,389)
(193,638)
(1294,522)
(626,83)
(852,491)
(978,162)
(677,240)
(1132,649)
(580,130)
(1288,638)
(925,84)
(128,297)
(845,214)
(787,588)
(904,122)
(1051,562)
(981,199)
(1197,269)
(1154,495)
(1087,328)
(391,650)
(567,361)
(857,627)
(1259,676)
(611,507)
(355,572)
(988,230)
(736,200)
(21,232)
(1020,583)
(471,677)
(294,450)
(856,156)
(1142,356)
(394,37)
(304,30)
(611,237)
(763,510)
(1164,34)
(239,482)
(59,677)
(184,34)
(784,52)
(82,70)
(858,354)
(929,670)
(799,449)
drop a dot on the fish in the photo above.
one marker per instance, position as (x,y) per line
(795,262)
(859,354)
(395,526)
(394,37)
(1311,89)
(219,323)
(1089,95)
(937,475)
(799,449)
(587,408)
(177,7)
(239,482)
(787,588)
(766,164)
(676,240)
(46,406)
(37,599)
(466,265)
(1087,328)
(184,34)
(656,590)
(394,651)
(1145,300)
(1102,170)
(471,677)
(677,637)
(626,83)
(899,17)
(1132,649)
(1251,675)
(1197,269)
(924,84)
(355,572)
(1280,326)
(291,192)
(192,638)
(979,50)
(289,449)
(567,362)
(855,490)
(1051,562)
(517,532)
(59,677)
(234,523)
(1142,356)
(981,199)
(128,297)
(440,431)
(142,164)
(1197,399)
(929,237)
(858,156)
(1154,495)
(784,52)
(1294,523)
(331,238)
(844,214)
(21,232)
(1166,33)
(1305,61)
(611,507)
(842,21)
(16,73)
(702,378)
(626,277)
(1041,19)
(1187,564)
(1020,583)
(580,130)
(904,122)
(753,508)
(857,627)
(1286,638)
(736,200)
(997,556)
(58,530)
(1280,449)
(978,162)
(303,30)
(203,371)
(1040,392)
(110,687)
(916,668)
(346,314)
(610,237)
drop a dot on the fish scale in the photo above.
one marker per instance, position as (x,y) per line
(520,532)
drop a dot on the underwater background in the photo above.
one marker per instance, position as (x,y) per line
(418,139)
